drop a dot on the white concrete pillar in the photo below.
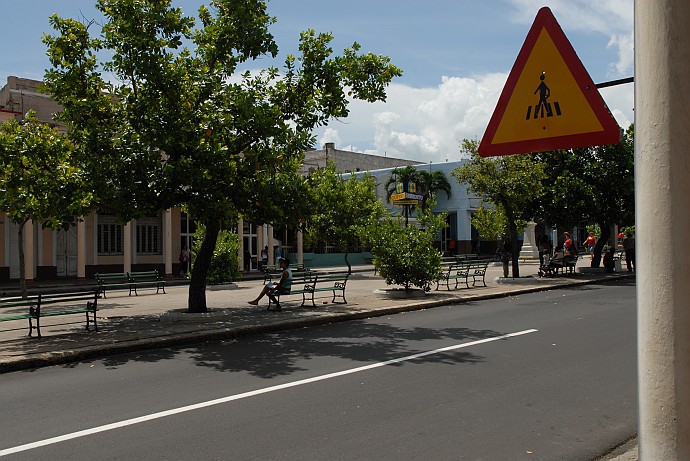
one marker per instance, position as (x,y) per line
(300,247)
(128,245)
(240,249)
(167,241)
(662,188)
(29,250)
(269,242)
(259,242)
(81,249)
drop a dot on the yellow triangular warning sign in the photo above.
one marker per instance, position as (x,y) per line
(549,101)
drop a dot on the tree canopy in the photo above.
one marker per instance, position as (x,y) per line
(594,184)
(511,183)
(178,125)
(40,179)
(339,207)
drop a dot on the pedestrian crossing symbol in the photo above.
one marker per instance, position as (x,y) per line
(549,101)
(543,107)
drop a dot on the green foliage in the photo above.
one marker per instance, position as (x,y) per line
(339,206)
(179,126)
(224,263)
(511,183)
(594,228)
(405,255)
(39,179)
(595,183)
(490,222)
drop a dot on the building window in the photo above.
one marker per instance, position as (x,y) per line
(110,236)
(149,236)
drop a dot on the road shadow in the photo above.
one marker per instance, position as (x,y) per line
(285,353)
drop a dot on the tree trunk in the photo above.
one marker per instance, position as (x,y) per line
(22,262)
(605,234)
(202,263)
(514,253)
(347,261)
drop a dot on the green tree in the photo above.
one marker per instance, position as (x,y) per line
(429,183)
(595,184)
(491,222)
(182,126)
(340,206)
(40,180)
(400,180)
(426,184)
(224,263)
(512,183)
(405,255)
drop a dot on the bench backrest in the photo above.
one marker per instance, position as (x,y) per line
(18,301)
(54,298)
(112,276)
(144,275)
(334,277)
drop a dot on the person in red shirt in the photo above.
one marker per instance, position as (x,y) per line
(568,245)
(591,242)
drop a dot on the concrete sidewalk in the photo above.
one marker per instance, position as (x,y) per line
(151,321)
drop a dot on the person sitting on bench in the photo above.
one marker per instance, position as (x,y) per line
(283,286)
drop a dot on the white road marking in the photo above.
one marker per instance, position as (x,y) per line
(244,395)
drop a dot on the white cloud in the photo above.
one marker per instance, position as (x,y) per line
(427,124)
(626,59)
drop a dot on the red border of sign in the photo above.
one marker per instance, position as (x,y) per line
(611,134)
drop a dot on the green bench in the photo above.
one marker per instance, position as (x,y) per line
(36,307)
(564,264)
(335,282)
(271,270)
(314,283)
(451,271)
(463,270)
(130,281)
(113,281)
(305,280)
(146,279)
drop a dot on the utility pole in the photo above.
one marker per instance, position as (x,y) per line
(662,189)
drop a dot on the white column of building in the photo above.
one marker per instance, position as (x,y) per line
(39,247)
(167,241)
(29,250)
(6,243)
(300,247)
(128,247)
(259,242)
(81,249)
(269,242)
(662,188)
(240,248)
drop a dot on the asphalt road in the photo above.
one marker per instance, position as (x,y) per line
(547,376)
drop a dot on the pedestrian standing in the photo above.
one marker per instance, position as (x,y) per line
(184,262)
(629,247)
(591,242)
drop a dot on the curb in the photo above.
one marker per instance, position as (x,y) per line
(184,339)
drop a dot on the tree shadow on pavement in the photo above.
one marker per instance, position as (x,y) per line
(361,342)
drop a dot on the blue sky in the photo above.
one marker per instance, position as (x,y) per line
(455,54)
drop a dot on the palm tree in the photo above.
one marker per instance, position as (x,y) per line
(428,183)
(403,176)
